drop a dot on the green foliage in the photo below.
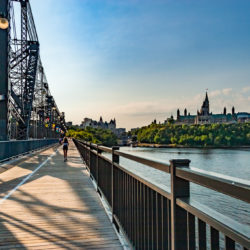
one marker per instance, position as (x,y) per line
(236,134)
(95,135)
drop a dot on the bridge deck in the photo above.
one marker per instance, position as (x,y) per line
(56,208)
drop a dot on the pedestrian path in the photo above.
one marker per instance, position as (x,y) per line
(46,203)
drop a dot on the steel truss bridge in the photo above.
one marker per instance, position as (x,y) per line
(27,108)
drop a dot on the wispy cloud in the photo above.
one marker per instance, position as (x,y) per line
(245,89)
(161,109)
(227,91)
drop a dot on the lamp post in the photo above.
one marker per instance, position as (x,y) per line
(4,54)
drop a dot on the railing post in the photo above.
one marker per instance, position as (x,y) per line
(89,152)
(115,159)
(85,152)
(99,151)
(179,188)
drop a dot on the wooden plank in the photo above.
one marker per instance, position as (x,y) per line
(56,208)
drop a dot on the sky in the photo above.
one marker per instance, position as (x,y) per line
(140,60)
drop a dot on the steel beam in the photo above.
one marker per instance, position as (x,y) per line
(4,85)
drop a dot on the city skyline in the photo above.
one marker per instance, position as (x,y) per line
(140,62)
(215,95)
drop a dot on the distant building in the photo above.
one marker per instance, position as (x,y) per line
(69,124)
(88,122)
(243,117)
(204,116)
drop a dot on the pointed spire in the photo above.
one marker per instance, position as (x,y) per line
(206,99)
(178,114)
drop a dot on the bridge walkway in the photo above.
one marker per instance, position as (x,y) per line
(46,203)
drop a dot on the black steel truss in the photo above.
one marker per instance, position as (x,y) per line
(30,103)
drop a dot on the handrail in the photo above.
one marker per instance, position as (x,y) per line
(154,164)
(222,185)
(152,217)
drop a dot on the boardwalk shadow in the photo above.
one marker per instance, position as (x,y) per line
(63,225)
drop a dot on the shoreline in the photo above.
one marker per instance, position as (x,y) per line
(152,145)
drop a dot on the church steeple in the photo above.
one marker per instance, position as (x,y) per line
(206,99)
(205,106)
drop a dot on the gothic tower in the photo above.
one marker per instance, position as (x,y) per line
(178,114)
(205,107)
(233,111)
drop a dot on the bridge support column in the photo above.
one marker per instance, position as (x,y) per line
(4,84)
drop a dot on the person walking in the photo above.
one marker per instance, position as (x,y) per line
(65,148)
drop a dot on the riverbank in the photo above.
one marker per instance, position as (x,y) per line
(154,145)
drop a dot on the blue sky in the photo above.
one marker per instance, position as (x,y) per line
(137,60)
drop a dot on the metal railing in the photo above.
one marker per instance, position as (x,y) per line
(152,218)
(10,149)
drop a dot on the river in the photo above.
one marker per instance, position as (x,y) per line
(234,163)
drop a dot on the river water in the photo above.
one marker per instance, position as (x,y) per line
(234,163)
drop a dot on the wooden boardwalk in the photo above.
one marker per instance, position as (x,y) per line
(55,208)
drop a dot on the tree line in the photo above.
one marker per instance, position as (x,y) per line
(237,134)
(95,135)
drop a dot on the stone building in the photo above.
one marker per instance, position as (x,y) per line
(88,122)
(204,116)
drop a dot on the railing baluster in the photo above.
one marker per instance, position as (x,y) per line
(229,243)
(154,220)
(202,235)
(125,203)
(191,231)
(165,223)
(214,239)
(130,194)
(148,218)
(141,216)
(169,216)
(137,215)
(150,222)
(132,210)
(145,216)
(159,221)
(123,197)
(135,212)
